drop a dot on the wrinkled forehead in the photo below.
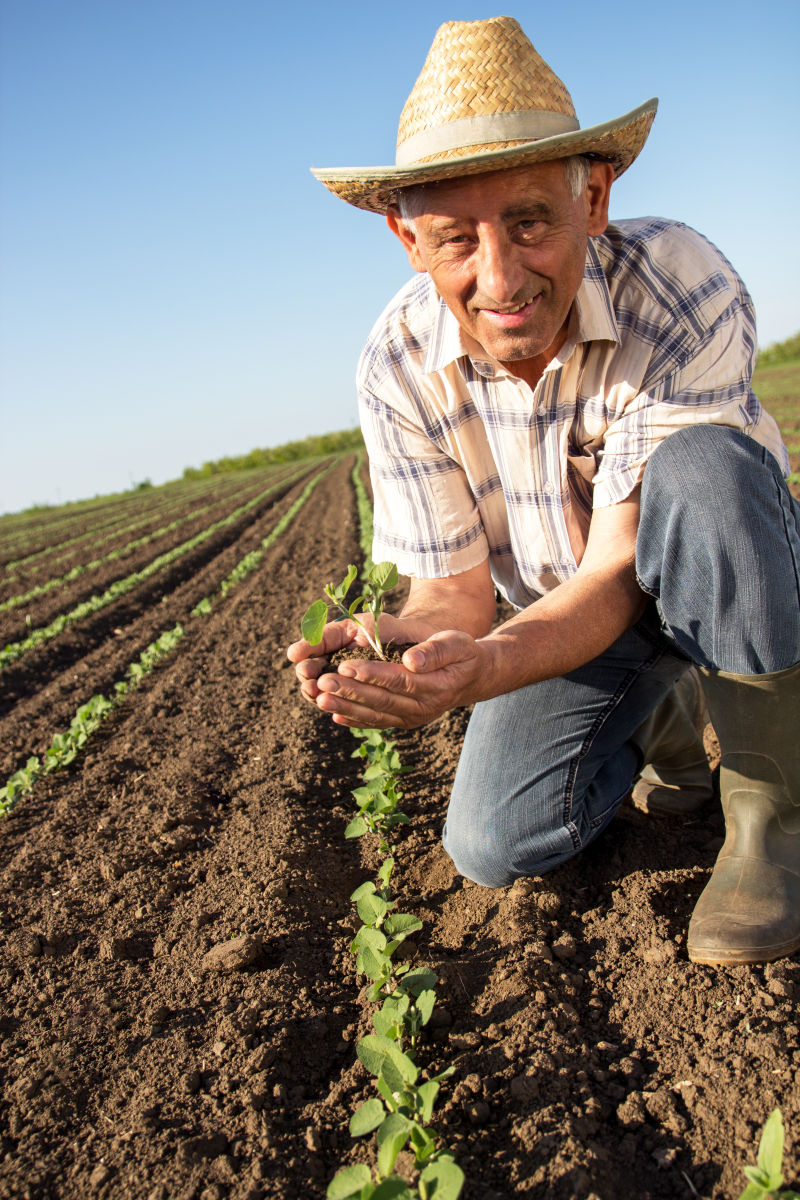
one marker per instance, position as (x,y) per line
(493,190)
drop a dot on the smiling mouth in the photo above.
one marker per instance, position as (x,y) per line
(507,314)
(517,308)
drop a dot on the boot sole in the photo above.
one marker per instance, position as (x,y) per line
(733,958)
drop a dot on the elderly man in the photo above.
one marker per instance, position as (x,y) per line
(560,408)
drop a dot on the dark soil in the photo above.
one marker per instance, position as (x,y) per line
(180,1005)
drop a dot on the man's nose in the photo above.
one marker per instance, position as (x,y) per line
(500,274)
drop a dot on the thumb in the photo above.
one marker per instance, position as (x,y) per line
(437,651)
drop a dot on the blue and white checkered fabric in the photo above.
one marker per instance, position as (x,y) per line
(468,461)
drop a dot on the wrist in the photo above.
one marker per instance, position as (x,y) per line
(490,675)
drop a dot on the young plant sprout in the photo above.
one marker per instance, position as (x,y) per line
(381,579)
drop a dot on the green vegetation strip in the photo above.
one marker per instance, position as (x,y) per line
(401,1112)
(116,528)
(65,746)
(112,556)
(252,560)
(109,511)
(364,514)
(15,650)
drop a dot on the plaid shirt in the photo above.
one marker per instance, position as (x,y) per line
(467,461)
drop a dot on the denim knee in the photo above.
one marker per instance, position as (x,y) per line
(719,545)
(476,851)
(494,854)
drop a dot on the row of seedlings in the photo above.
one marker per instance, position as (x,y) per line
(401,1112)
(65,746)
(14,650)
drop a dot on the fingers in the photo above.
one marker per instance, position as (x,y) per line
(335,635)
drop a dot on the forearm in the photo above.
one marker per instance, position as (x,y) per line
(562,631)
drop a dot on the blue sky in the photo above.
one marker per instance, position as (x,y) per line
(175,285)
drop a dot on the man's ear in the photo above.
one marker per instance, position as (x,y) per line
(405,231)
(598,194)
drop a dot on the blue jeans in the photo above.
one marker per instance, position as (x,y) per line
(544,769)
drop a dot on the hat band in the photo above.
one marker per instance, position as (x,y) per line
(527,126)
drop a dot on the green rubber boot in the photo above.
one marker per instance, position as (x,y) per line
(676,779)
(749,911)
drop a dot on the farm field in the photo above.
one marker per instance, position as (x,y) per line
(181,1007)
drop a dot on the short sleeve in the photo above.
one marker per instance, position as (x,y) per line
(426,519)
(699,372)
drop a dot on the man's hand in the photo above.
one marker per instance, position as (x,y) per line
(311,661)
(441,673)
(433,605)
(565,629)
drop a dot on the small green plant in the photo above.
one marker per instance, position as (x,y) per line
(381,579)
(766,1179)
(401,1113)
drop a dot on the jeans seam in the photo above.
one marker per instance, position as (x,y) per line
(785,509)
(602,717)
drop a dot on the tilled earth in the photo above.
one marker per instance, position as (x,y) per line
(181,1007)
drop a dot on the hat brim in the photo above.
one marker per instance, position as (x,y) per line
(618,142)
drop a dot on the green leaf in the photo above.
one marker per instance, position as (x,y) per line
(441,1180)
(397,1005)
(753,1191)
(368,936)
(427,1094)
(349,1182)
(424,1145)
(391,1138)
(383,576)
(313,622)
(371,909)
(419,980)
(770,1148)
(399,925)
(364,889)
(374,964)
(349,579)
(393,1189)
(425,1004)
(366,1118)
(357,828)
(385,870)
(374,1050)
(386,1025)
(387,1093)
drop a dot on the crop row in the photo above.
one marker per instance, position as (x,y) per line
(14,650)
(65,746)
(61,524)
(113,555)
(119,523)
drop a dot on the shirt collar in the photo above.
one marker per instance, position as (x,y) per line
(591,319)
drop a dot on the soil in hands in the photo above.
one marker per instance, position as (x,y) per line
(392,652)
(180,1005)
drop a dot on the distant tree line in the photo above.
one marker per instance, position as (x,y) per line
(310,447)
(780,352)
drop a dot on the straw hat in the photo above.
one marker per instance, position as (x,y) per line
(485,101)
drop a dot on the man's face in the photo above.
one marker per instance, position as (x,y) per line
(506,252)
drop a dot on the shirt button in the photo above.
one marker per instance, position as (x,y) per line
(549,488)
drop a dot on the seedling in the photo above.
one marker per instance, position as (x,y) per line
(766,1179)
(400,1114)
(381,579)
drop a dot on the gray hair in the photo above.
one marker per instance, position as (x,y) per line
(409,200)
